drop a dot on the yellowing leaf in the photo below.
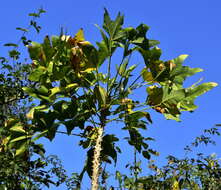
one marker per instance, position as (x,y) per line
(73,85)
(18,128)
(4,141)
(85,43)
(88,70)
(147,76)
(54,91)
(25,137)
(175,185)
(79,37)
(21,149)
(50,67)
(101,95)
(11,122)
(30,114)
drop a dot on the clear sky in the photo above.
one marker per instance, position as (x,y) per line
(182,26)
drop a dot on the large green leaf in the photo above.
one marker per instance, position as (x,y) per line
(196,91)
(150,56)
(18,128)
(103,52)
(171,102)
(21,138)
(140,38)
(101,95)
(113,27)
(37,73)
(54,91)
(47,48)
(108,147)
(20,150)
(179,72)
(147,76)
(35,50)
(30,91)
(172,96)
(37,94)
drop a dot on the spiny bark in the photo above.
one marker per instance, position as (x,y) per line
(96,160)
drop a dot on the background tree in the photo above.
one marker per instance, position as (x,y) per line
(24,164)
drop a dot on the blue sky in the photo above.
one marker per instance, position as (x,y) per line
(182,27)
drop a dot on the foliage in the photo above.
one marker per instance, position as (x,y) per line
(195,172)
(77,86)
(23,161)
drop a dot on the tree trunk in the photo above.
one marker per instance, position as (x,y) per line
(96,160)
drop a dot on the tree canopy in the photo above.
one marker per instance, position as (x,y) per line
(73,83)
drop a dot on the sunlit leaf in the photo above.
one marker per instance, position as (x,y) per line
(79,36)
(25,137)
(147,76)
(21,149)
(37,73)
(194,92)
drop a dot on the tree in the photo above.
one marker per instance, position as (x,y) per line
(78,87)
(24,164)
(197,172)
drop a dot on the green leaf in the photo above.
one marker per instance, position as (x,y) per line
(33,14)
(11,45)
(47,49)
(122,68)
(103,52)
(194,92)
(30,114)
(50,67)
(21,138)
(38,136)
(70,125)
(14,54)
(113,27)
(150,55)
(130,69)
(187,105)
(108,146)
(146,154)
(21,149)
(179,73)
(11,122)
(154,152)
(153,43)
(147,76)
(43,90)
(179,60)
(35,50)
(55,40)
(22,29)
(37,73)
(101,95)
(139,38)
(18,128)
(173,96)
(30,91)
(71,86)
(52,131)
(54,91)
